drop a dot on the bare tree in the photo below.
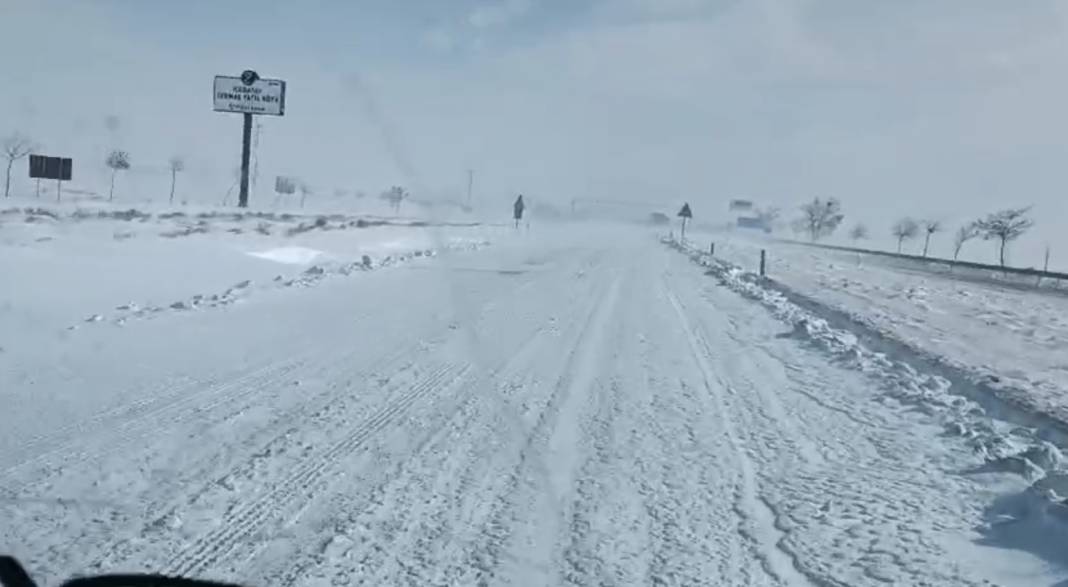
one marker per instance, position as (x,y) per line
(964,234)
(15,147)
(820,218)
(904,229)
(177,165)
(395,195)
(117,161)
(1005,226)
(858,233)
(929,227)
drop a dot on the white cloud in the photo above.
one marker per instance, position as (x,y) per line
(496,14)
(440,39)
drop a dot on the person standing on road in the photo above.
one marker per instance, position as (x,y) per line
(518,210)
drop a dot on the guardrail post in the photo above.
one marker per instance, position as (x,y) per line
(763,262)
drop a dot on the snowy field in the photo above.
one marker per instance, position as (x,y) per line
(1010,338)
(69,265)
(575,405)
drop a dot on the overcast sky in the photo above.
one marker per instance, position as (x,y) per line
(941,108)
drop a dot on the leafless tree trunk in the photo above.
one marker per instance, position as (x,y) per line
(117,161)
(15,147)
(174,177)
(176,164)
(1005,226)
(7,179)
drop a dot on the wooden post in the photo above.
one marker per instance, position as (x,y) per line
(712,250)
(763,262)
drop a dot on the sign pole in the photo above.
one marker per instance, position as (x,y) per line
(38,188)
(248,95)
(246,143)
(59,189)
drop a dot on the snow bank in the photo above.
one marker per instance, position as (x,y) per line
(68,267)
(289,255)
(1024,332)
(1004,437)
(242,290)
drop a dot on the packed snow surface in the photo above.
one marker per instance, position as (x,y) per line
(573,405)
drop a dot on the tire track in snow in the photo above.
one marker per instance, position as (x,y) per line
(240,524)
(322,410)
(157,408)
(261,463)
(161,504)
(758,527)
(401,524)
(582,561)
(887,508)
(146,415)
(325,411)
(483,556)
(643,510)
(682,467)
(166,407)
(875,511)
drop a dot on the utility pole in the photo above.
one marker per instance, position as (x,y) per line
(470,184)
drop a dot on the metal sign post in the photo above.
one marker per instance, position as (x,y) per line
(246,149)
(685,213)
(248,95)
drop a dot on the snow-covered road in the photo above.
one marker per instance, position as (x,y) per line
(556,409)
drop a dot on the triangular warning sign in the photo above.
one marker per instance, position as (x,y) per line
(685,212)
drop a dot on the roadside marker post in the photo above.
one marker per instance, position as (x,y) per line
(685,213)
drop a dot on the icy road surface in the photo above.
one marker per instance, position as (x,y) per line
(552,410)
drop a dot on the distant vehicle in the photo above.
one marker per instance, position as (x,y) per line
(659,219)
(754,223)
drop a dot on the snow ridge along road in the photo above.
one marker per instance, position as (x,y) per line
(564,409)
